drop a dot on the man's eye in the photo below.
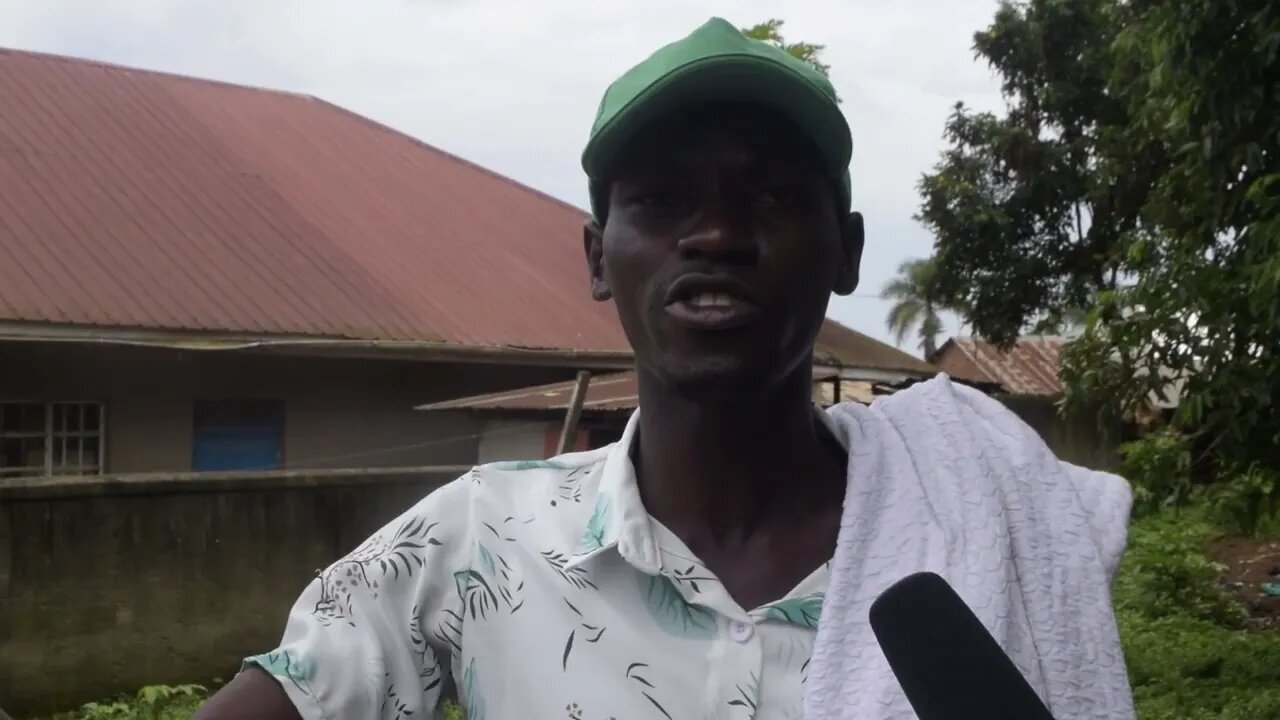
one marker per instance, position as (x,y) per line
(660,198)
(790,195)
(653,199)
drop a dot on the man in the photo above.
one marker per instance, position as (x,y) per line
(682,572)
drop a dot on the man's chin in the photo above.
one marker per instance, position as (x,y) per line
(717,380)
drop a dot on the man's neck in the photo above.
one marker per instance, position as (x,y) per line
(731,468)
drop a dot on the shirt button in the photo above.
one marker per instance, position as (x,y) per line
(741,631)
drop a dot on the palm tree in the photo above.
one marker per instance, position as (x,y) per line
(915,304)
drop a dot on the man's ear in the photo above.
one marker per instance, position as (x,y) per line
(593,246)
(852,237)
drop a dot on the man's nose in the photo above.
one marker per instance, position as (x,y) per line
(720,235)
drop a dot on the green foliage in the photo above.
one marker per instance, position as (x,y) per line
(1136,172)
(770,31)
(153,702)
(1198,78)
(1024,224)
(454,711)
(1158,467)
(1247,504)
(1166,573)
(1187,669)
(1186,657)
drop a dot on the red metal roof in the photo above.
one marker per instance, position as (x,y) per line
(1029,368)
(613,392)
(141,200)
(138,199)
(846,347)
(616,392)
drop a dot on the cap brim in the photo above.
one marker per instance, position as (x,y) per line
(727,78)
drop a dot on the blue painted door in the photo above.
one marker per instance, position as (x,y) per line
(238,435)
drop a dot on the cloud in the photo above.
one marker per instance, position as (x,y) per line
(514,85)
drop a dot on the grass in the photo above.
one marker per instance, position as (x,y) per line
(1188,656)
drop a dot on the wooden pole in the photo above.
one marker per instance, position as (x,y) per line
(570,430)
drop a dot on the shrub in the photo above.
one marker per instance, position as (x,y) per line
(154,702)
(1247,504)
(1186,659)
(1158,467)
(1166,573)
(1187,669)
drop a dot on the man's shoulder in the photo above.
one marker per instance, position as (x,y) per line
(520,488)
(509,477)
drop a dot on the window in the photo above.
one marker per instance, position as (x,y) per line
(238,435)
(58,438)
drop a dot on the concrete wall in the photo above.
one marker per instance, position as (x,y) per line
(338,412)
(109,584)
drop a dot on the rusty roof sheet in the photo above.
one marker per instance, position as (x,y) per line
(613,392)
(1029,368)
(843,346)
(616,392)
(141,200)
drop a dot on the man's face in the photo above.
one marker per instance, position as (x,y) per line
(721,248)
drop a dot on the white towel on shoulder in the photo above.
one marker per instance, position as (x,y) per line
(946,479)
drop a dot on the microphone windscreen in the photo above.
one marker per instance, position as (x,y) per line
(948,665)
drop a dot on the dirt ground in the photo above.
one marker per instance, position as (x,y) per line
(1250,563)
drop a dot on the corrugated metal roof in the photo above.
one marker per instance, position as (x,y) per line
(136,199)
(844,346)
(616,392)
(1030,367)
(613,392)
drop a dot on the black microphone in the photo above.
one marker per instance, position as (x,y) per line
(948,665)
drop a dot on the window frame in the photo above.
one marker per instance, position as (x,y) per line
(51,435)
(209,413)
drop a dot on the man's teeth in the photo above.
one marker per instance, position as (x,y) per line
(709,299)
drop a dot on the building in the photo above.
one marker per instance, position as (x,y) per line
(202,276)
(1026,378)
(1028,369)
(528,422)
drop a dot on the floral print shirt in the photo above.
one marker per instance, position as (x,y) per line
(547,591)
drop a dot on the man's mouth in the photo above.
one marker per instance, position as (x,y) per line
(720,309)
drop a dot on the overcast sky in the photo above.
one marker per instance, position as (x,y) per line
(513,84)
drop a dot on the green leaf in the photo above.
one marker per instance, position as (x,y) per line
(472,699)
(530,465)
(801,611)
(597,526)
(672,612)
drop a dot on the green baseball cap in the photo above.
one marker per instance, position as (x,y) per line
(717,63)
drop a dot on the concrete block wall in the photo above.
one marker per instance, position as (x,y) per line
(111,583)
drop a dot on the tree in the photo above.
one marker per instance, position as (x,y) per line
(1136,173)
(915,304)
(1199,80)
(1025,223)
(770,31)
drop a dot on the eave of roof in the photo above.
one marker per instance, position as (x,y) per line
(616,392)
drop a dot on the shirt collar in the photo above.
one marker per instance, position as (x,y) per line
(618,519)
